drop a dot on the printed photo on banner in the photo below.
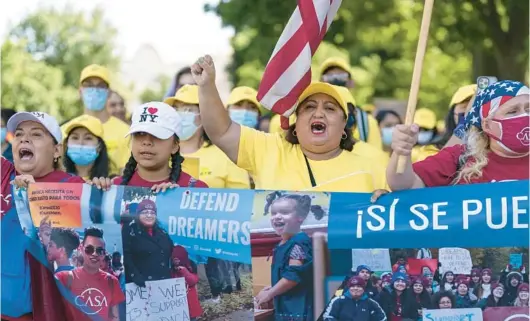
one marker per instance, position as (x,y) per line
(187,254)
(282,252)
(85,257)
(428,254)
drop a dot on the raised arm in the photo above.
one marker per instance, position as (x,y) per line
(403,140)
(221,130)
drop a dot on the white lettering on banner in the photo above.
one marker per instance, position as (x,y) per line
(476,207)
(378,218)
(207,201)
(455,259)
(376,259)
(473,314)
(227,231)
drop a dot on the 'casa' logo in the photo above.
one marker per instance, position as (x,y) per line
(524,136)
(149,114)
(92,299)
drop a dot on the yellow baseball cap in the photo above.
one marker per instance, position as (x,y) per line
(346,95)
(463,93)
(95,71)
(318,87)
(187,94)
(91,123)
(335,62)
(425,118)
(241,93)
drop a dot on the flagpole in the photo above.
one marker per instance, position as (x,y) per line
(416,74)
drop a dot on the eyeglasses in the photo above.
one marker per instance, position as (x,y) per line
(90,249)
(445,302)
(341,77)
(121,104)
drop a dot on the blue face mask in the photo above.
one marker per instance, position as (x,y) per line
(386,135)
(243,117)
(82,155)
(424,137)
(95,98)
(187,126)
(3,134)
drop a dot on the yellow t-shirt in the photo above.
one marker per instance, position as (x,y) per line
(276,164)
(419,153)
(118,147)
(217,170)
(377,155)
(374,135)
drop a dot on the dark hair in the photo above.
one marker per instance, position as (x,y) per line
(116,254)
(66,238)
(101,164)
(444,294)
(7,113)
(176,167)
(303,204)
(180,73)
(336,67)
(346,143)
(94,232)
(381,115)
(113,92)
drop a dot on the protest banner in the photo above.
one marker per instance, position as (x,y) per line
(516,260)
(445,217)
(163,300)
(375,259)
(456,260)
(506,314)
(213,223)
(419,266)
(473,314)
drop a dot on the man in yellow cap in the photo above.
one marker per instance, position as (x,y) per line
(94,89)
(337,71)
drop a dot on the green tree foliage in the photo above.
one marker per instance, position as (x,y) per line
(157,94)
(468,38)
(55,45)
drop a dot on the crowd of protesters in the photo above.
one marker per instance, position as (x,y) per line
(400,296)
(332,144)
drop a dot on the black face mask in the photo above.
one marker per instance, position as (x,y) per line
(338,82)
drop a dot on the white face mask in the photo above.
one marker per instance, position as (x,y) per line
(498,292)
(424,138)
(187,126)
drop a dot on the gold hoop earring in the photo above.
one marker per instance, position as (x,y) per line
(344,135)
(294,132)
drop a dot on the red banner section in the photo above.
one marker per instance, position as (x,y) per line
(506,314)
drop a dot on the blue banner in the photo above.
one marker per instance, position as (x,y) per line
(452,216)
(213,222)
(516,260)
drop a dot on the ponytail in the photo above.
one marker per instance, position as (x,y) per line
(128,171)
(176,167)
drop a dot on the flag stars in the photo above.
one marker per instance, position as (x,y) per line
(474,119)
(502,85)
(510,88)
(492,92)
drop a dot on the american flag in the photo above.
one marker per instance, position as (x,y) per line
(288,71)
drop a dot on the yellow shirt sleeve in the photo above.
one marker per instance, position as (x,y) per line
(420,153)
(255,148)
(236,177)
(374,135)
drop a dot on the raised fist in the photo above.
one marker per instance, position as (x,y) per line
(203,71)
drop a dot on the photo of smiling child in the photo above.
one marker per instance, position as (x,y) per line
(291,281)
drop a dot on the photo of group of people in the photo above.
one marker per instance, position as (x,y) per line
(420,280)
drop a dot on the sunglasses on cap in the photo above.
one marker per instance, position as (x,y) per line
(90,249)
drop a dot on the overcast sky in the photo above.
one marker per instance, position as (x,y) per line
(178,29)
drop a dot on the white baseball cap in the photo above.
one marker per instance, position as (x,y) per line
(49,122)
(155,118)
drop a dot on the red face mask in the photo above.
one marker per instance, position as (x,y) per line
(514,134)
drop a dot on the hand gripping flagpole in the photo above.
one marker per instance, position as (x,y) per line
(416,74)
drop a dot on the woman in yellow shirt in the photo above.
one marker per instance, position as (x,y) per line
(317,152)
(215,169)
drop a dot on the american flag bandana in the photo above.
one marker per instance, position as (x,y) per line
(288,71)
(491,98)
